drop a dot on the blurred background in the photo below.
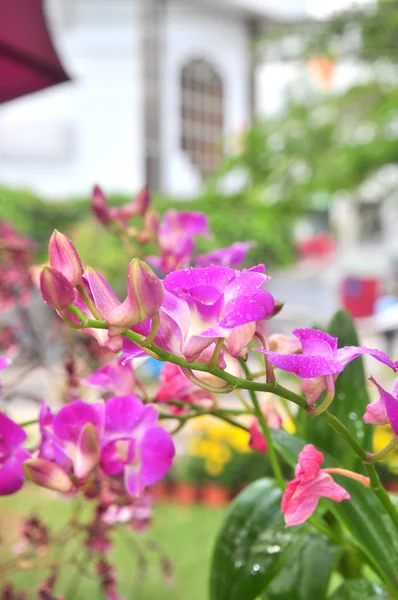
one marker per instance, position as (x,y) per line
(278,118)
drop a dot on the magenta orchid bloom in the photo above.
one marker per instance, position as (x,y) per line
(202,305)
(176,386)
(116,377)
(70,440)
(231,256)
(175,238)
(215,302)
(321,361)
(384,410)
(12,456)
(311,483)
(257,440)
(134,444)
(76,434)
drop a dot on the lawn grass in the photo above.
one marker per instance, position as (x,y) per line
(184,535)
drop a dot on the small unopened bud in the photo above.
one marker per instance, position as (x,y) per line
(87,454)
(47,474)
(99,206)
(144,298)
(142,201)
(64,258)
(56,290)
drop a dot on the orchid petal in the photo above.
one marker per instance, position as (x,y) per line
(303,366)
(246,309)
(157,452)
(349,353)
(308,335)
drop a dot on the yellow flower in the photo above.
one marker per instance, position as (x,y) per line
(381,437)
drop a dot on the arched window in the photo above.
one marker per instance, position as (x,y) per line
(201,115)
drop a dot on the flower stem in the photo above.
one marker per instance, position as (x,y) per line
(381,493)
(273,458)
(350,474)
(89,303)
(216,354)
(154,329)
(330,391)
(28,423)
(376,456)
(343,432)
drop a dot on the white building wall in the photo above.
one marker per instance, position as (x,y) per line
(221,38)
(62,140)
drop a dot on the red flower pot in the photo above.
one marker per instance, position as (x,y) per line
(214,495)
(185,493)
(161,491)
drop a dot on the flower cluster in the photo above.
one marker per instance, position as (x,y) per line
(202,322)
(118,437)
(174,233)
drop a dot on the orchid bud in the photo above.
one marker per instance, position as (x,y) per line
(64,258)
(87,453)
(99,206)
(142,201)
(47,474)
(144,298)
(56,290)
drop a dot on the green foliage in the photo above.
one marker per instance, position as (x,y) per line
(244,217)
(254,552)
(363,516)
(252,545)
(360,589)
(308,573)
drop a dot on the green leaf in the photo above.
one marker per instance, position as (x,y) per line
(253,544)
(360,589)
(364,517)
(348,406)
(370,526)
(307,575)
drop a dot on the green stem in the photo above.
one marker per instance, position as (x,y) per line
(28,423)
(216,354)
(154,329)
(343,432)
(236,382)
(381,493)
(273,458)
(89,303)
(376,456)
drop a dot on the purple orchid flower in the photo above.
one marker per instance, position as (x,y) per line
(384,410)
(116,376)
(202,305)
(12,456)
(175,237)
(321,361)
(134,444)
(71,438)
(231,256)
